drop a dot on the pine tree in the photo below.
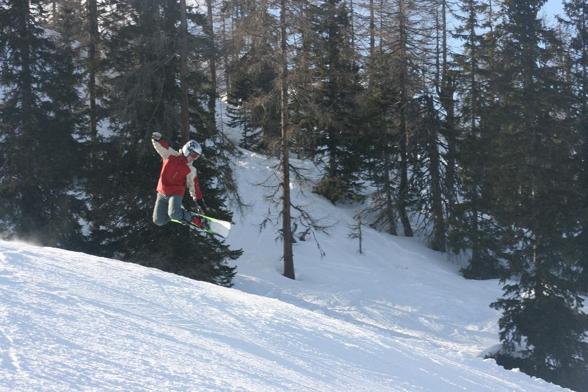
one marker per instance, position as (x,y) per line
(54,20)
(405,41)
(39,118)
(379,112)
(382,152)
(212,58)
(144,96)
(532,171)
(335,100)
(577,21)
(428,169)
(303,131)
(394,110)
(357,232)
(472,226)
(287,239)
(93,61)
(253,74)
(445,85)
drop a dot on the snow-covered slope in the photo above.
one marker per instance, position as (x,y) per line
(398,289)
(69,321)
(398,318)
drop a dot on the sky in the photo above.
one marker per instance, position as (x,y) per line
(553,8)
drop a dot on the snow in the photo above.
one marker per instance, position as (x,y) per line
(70,321)
(397,318)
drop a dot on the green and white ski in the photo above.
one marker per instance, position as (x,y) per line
(213,226)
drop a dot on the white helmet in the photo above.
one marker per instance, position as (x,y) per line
(191,147)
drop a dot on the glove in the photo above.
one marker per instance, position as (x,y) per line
(199,208)
(203,205)
(156,136)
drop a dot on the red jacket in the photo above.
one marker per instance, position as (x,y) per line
(176,173)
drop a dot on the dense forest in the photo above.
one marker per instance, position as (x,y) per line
(464,122)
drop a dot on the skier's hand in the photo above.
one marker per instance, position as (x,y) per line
(156,136)
(199,209)
(203,205)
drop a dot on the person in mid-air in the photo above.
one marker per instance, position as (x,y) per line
(177,173)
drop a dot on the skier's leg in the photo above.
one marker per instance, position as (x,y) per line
(160,215)
(176,211)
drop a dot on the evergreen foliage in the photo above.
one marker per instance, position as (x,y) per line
(427,171)
(63,188)
(472,226)
(253,71)
(382,153)
(576,20)
(334,101)
(535,198)
(39,118)
(143,97)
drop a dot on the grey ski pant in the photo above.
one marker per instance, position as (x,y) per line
(168,208)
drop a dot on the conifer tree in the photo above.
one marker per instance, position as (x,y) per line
(253,75)
(93,61)
(287,239)
(305,135)
(393,107)
(144,96)
(212,59)
(533,192)
(402,70)
(335,100)
(445,85)
(427,170)
(472,226)
(39,117)
(577,21)
(382,153)
(54,20)
(379,113)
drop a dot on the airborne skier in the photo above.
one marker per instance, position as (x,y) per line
(177,173)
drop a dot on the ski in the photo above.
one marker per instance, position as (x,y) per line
(214,226)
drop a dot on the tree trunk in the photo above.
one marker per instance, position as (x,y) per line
(446,92)
(286,224)
(372,33)
(212,63)
(184,109)
(225,51)
(402,106)
(29,192)
(584,62)
(584,134)
(351,22)
(26,72)
(92,65)
(388,190)
(372,30)
(438,242)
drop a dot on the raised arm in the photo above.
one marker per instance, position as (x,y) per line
(162,147)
